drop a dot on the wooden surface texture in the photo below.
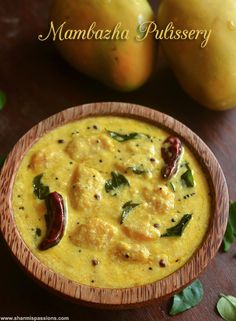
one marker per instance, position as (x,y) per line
(38,83)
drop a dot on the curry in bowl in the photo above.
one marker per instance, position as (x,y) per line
(111,202)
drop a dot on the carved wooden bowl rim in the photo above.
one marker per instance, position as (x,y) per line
(103,297)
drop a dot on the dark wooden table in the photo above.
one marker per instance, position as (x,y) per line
(38,83)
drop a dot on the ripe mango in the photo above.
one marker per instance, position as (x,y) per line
(122,64)
(207,74)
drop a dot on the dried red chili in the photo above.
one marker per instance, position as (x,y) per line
(56,221)
(171,152)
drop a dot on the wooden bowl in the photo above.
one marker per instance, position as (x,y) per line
(116,298)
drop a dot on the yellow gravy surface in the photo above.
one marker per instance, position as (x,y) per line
(76,160)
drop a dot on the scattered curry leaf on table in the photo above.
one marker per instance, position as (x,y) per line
(230,233)
(178,229)
(188,298)
(40,190)
(3,99)
(226,306)
(2,160)
(228,238)
(2,104)
(126,208)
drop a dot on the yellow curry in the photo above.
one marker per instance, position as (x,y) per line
(132,203)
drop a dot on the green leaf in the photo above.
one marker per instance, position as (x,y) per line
(117,180)
(188,298)
(38,232)
(232,216)
(226,306)
(40,190)
(178,229)
(187,177)
(230,232)
(172,186)
(230,298)
(123,137)
(138,169)
(127,207)
(228,238)
(3,99)
(2,160)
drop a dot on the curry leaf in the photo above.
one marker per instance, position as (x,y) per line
(123,137)
(232,216)
(187,177)
(188,298)
(116,181)
(230,232)
(3,99)
(172,186)
(40,190)
(126,208)
(228,238)
(178,229)
(2,160)
(38,232)
(226,306)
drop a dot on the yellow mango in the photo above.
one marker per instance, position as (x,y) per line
(94,234)
(131,252)
(124,64)
(87,187)
(207,74)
